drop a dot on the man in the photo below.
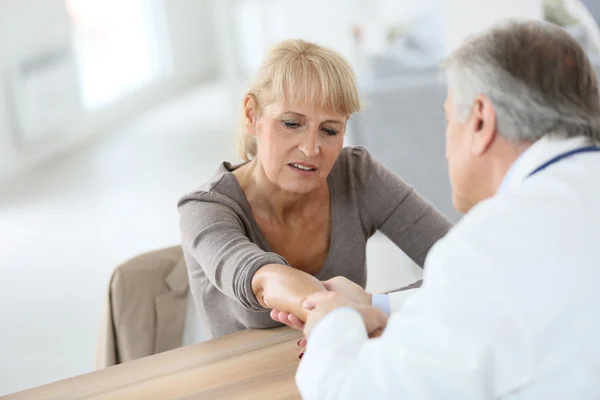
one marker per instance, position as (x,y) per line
(509,307)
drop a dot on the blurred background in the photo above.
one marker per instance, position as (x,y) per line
(110,110)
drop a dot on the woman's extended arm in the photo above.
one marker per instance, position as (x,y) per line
(214,236)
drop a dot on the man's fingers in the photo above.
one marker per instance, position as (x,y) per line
(328,284)
(376,333)
(375,320)
(315,299)
(333,284)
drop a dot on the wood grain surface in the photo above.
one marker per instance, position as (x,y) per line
(254,364)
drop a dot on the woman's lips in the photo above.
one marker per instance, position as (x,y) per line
(303,168)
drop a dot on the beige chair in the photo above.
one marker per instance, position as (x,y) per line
(146,307)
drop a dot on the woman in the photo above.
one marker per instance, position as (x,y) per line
(264,234)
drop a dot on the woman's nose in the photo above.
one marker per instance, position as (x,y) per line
(310,146)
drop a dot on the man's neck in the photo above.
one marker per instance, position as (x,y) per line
(506,156)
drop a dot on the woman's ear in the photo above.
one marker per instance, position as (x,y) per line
(250,114)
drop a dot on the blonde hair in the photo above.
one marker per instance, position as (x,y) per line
(300,71)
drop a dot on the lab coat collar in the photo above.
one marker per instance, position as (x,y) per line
(535,155)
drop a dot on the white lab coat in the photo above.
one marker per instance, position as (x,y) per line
(509,308)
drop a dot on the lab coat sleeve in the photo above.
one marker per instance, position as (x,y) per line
(440,345)
(342,363)
(397,299)
(321,376)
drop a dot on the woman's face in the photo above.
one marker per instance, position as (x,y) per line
(297,145)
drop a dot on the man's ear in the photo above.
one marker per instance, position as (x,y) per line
(250,114)
(482,124)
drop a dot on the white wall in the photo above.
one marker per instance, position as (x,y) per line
(465,17)
(26,26)
(191,32)
(262,23)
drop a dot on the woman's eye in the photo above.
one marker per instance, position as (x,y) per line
(291,124)
(330,132)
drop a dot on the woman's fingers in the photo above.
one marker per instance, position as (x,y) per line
(301,353)
(286,318)
(295,322)
(282,317)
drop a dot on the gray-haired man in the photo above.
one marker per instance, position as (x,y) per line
(510,306)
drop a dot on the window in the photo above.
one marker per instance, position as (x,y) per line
(120,46)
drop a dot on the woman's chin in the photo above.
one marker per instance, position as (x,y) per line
(300,188)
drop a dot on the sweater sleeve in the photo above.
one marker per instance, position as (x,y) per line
(392,206)
(213,235)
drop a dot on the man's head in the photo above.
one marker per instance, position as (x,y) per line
(508,87)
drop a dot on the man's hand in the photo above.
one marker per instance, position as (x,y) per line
(322,303)
(351,290)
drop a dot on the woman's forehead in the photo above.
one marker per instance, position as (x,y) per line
(301,108)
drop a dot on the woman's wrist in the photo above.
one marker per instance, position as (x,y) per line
(284,288)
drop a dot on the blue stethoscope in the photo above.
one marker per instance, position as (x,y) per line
(562,156)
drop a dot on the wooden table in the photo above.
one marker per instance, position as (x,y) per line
(254,364)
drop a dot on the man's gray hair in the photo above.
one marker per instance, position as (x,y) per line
(536,75)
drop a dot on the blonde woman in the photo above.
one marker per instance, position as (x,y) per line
(299,210)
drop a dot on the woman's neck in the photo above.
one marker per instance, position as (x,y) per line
(270,201)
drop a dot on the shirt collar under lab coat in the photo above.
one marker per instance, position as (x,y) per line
(535,155)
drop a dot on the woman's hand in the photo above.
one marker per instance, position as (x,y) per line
(293,322)
(322,303)
(286,318)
